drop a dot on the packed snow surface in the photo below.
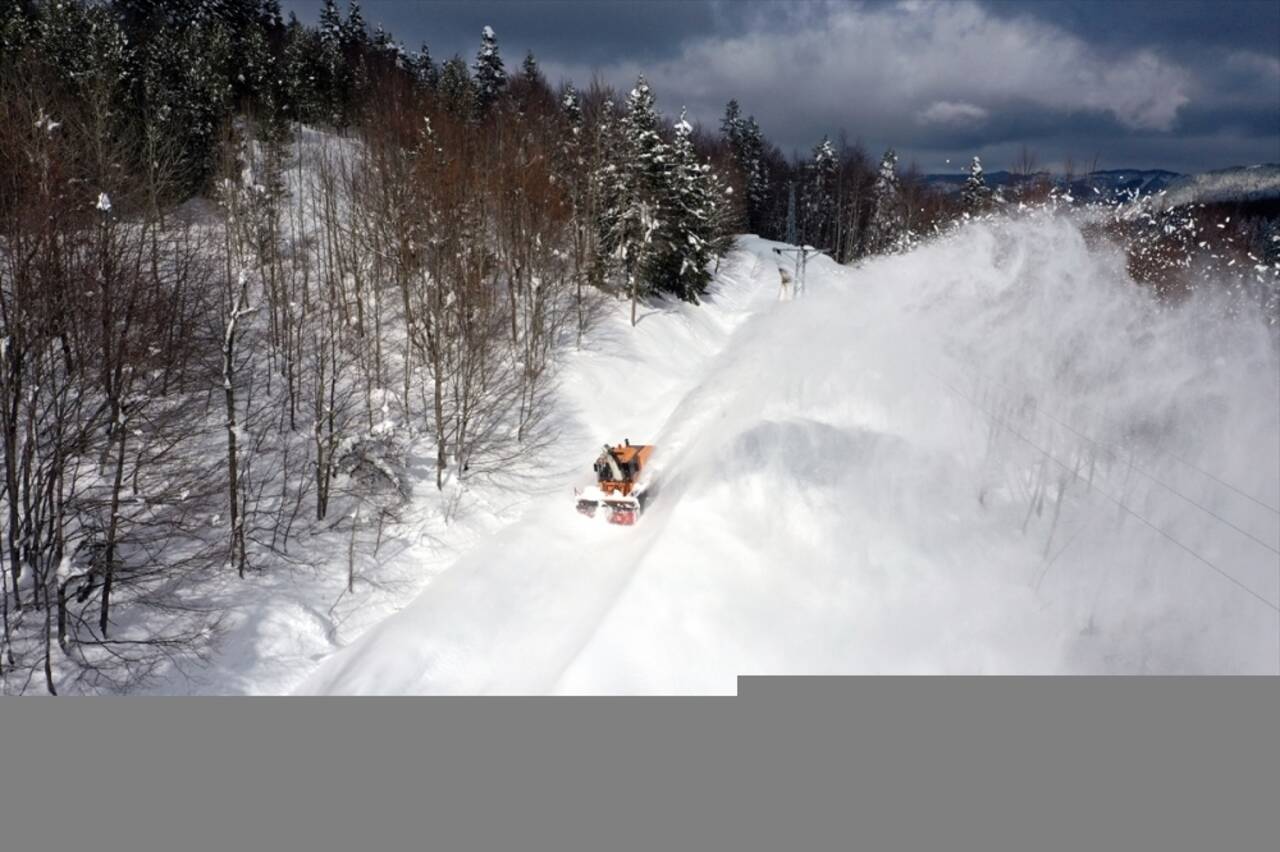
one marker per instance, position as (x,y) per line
(994,454)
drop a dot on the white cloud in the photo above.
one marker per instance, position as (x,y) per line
(953,113)
(1267,67)
(888,68)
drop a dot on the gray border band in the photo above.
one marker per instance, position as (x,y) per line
(790,764)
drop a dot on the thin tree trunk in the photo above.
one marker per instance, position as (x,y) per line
(233,459)
(108,568)
(634,294)
(48,650)
(4,599)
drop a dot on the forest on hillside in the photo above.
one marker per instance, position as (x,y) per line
(235,250)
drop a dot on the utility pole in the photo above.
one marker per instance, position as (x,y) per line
(800,253)
(801,257)
(791,213)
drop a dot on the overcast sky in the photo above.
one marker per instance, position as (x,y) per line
(1172,84)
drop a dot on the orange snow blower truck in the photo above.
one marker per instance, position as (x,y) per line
(622,482)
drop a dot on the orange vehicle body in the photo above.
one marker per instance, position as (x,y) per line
(632,459)
(621,483)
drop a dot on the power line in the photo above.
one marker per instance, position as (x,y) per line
(1115,451)
(1246,495)
(1120,503)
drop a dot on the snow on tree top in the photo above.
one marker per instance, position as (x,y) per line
(487,32)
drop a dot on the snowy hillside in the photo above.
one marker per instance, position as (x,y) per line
(1246,183)
(1118,184)
(993,454)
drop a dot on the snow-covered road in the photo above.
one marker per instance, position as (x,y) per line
(543,586)
(993,454)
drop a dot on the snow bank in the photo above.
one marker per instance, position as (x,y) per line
(993,454)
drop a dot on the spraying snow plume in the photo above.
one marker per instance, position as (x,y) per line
(993,454)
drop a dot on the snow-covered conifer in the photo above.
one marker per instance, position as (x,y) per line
(639,190)
(301,94)
(532,74)
(689,234)
(821,197)
(886,226)
(330,27)
(456,88)
(335,76)
(747,146)
(424,69)
(490,76)
(975,194)
(731,127)
(572,105)
(354,32)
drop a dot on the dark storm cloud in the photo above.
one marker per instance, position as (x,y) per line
(570,30)
(1179,25)
(1181,85)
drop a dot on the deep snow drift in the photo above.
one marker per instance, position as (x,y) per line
(993,454)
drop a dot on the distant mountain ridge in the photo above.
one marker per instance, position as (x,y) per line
(1259,182)
(1108,183)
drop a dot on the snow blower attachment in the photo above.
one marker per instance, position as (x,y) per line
(621,483)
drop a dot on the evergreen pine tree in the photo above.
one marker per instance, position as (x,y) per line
(84,46)
(257,75)
(641,181)
(747,146)
(757,173)
(247,22)
(604,189)
(821,198)
(356,52)
(354,32)
(886,226)
(330,27)
(688,224)
(205,91)
(301,95)
(572,110)
(976,195)
(731,127)
(456,89)
(424,69)
(529,69)
(16,30)
(272,20)
(333,83)
(490,77)
(182,77)
(722,222)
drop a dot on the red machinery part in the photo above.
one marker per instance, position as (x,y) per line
(626,517)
